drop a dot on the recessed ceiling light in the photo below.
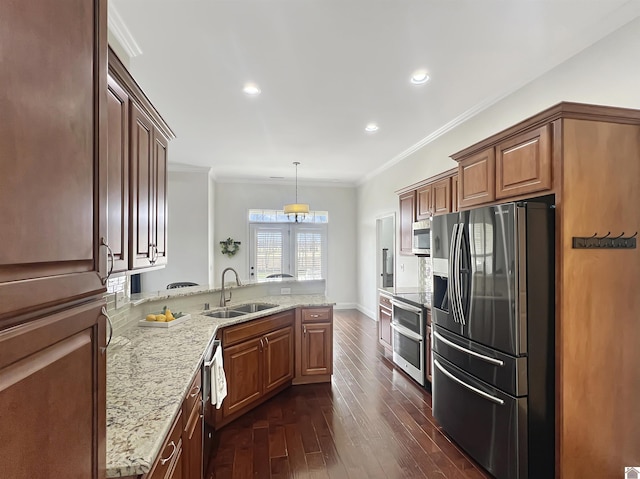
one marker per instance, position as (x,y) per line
(371,127)
(251,89)
(419,77)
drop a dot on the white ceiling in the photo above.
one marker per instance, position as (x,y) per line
(328,67)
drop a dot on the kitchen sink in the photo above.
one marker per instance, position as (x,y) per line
(253,307)
(240,310)
(225,314)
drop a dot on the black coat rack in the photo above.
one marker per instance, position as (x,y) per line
(606,241)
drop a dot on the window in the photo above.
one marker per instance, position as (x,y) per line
(287,248)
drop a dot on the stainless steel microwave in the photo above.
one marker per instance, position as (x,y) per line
(421,238)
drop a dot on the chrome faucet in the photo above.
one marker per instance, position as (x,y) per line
(223,300)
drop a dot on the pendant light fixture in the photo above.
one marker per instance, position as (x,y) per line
(297,209)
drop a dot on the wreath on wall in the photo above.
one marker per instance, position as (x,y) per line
(230,247)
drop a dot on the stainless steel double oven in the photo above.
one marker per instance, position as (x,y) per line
(408,323)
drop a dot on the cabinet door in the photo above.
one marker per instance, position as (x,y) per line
(53,396)
(442,197)
(523,164)
(52,141)
(118,175)
(477,179)
(454,193)
(384,326)
(429,359)
(160,188)
(143,186)
(192,444)
(243,365)
(278,358)
(317,349)
(407,217)
(424,208)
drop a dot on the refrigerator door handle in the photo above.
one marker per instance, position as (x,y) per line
(451,286)
(456,273)
(488,359)
(480,393)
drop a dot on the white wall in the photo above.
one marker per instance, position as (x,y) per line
(606,73)
(233,201)
(188,236)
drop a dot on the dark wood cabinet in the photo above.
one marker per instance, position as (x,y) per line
(384,321)
(169,463)
(53,161)
(477,179)
(53,396)
(424,202)
(441,203)
(258,362)
(146,144)
(52,147)
(315,355)
(454,193)
(428,351)
(523,163)
(148,192)
(278,358)
(407,218)
(192,437)
(117,183)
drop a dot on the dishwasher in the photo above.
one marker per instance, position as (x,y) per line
(207,408)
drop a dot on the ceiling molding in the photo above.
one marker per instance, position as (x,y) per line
(119,30)
(185,168)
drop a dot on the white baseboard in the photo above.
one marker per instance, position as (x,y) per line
(345,306)
(367,312)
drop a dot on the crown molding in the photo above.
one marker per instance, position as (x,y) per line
(119,30)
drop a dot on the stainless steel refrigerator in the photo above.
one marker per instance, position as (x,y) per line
(493,337)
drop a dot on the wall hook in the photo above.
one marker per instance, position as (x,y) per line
(618,237)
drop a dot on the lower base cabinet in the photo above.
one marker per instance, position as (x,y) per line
(53,396)
(258,361)
(314,354)
(169,464)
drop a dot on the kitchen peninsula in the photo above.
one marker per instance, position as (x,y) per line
(150,371)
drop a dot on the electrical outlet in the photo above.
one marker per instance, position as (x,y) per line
(285,290)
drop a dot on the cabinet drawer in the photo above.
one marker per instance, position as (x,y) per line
(312,315)
(169,453)
(384,301)
(194,395)
(257,327)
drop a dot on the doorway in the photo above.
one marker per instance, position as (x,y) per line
(385,250)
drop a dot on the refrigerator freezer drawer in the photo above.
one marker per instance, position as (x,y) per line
(506,372)
(489,425)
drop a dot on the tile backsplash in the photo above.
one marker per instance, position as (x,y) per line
(118,301)
(425,274)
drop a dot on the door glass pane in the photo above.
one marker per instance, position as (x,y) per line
(408,319)
(268,254)
(408,348)
(309,255)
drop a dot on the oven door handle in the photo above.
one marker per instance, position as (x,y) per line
(488,359)
(483,394)
(406,307)
(406,332)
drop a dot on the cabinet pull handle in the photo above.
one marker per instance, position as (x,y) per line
(104,313)
(261,344)
(175,448)
(103,242)
(315,315)
(304,329)
(152,248)
(196,390)
(266,342)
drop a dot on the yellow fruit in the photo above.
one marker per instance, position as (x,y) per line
(161,318)
(151,317)
(169,315)
(170,318)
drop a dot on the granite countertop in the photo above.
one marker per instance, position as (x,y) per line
(148,373)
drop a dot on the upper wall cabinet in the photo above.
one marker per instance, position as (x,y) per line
(51,156)
(407,217)
(137,234)
(118,176)
(510,166)
(434,196)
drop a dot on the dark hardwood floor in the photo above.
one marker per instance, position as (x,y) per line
(370,422)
